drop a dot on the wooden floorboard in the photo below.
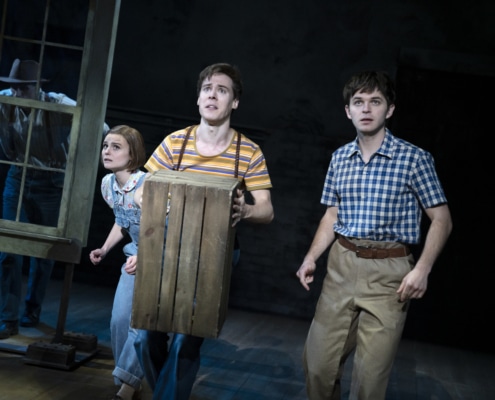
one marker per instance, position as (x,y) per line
(256,357)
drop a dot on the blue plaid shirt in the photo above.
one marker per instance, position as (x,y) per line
(382,200)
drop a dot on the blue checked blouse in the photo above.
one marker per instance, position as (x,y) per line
(382,200)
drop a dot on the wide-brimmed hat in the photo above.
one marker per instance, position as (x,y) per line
(23,71)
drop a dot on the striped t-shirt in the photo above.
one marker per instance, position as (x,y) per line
(252,170)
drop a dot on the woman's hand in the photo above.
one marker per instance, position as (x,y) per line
(131,265)
(97,255)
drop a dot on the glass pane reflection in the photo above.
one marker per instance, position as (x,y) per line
(45,40)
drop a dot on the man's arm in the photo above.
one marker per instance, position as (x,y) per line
(414,284)
(323,238)
(62,98)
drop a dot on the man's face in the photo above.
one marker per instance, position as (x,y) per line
(24,90)
(369,111)
(216,99)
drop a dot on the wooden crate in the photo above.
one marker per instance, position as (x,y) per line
(182,283)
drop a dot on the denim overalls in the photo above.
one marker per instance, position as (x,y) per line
(127,368)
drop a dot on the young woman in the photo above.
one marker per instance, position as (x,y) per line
(124,154)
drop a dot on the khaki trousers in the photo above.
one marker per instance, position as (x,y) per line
(359,310)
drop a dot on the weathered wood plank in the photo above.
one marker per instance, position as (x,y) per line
(146,299)
(216,255)
(189,259)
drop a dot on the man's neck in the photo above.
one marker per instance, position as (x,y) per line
(213,139)
(370,143)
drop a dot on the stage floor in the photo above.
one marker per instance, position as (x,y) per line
(256,357)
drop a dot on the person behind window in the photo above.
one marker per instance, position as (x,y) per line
(124,154)
(42,189)
(210,148)
(45,158)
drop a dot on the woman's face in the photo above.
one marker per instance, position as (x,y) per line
(115,153)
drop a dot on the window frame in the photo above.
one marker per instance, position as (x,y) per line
(65,241)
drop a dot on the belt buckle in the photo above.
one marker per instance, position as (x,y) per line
(361,250)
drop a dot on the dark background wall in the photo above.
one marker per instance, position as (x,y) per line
(295,57)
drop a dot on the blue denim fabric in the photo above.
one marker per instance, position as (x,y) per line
(170,372)
(40,205)
(127,367)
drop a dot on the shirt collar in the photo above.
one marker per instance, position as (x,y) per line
(386,149)
(129,185)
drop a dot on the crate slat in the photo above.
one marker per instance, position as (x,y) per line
(147,299)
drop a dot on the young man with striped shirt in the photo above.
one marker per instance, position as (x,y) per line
(212,147)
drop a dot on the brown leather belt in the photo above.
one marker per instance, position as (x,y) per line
(373,252)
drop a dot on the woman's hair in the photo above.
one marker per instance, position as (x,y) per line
(369,81)
(137,150)
(222,68)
